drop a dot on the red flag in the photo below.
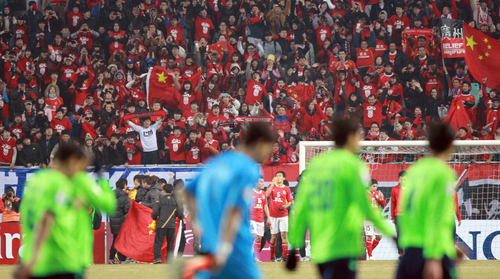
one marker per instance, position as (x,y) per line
(194,79)
(482,54)
(302,93)
(160,86)
(137,235)
(219,47)
(457,116)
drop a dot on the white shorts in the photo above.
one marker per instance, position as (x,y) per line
(370,229)
(257,228)
(279,225)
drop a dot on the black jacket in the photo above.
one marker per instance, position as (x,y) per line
(117,156)
(46,146)
(400,60)
(141,193)
(166,210)
(152,196)
(122,208)
(30,154)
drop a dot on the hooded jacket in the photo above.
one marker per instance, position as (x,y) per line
(152,196)
(122,207)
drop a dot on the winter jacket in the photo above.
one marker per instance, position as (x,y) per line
(122,207)
(46,146)
(166,210)
(30,154)
(152,196)
(141,194)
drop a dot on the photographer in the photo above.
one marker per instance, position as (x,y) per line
(21,95)
(85,36)
(115,151)
(11,71)
(11,205)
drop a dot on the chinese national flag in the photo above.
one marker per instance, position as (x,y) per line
(219,47)
(137,235)
(161,87)
(457,115)
(302,93)
(482,54)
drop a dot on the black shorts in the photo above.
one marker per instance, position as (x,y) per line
(412,265)
(338,269)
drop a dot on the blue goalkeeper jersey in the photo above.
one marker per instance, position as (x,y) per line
(226,182)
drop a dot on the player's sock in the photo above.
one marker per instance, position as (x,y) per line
(285,250)
(369,248)
(273,250)
(257,249)
(375,244)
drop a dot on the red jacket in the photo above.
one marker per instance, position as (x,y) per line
(311,121)
(395,194)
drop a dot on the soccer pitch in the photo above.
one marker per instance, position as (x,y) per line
(366,270)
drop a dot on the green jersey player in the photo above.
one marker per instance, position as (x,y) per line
(332,204)
(427,219)
(55,217)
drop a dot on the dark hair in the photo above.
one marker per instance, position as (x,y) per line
(168,188)
(148,180)
(461,128)
(162,181)
(258,132)
(374,181)
(121,183)
(440,137)
(67,151)
(282,172)
(342,128)
(179,183)
(138,177)
(401,173)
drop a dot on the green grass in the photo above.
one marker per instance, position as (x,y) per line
(366,270)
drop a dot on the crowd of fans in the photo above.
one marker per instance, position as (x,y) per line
(74,69)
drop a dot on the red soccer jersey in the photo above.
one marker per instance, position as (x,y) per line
(254,91)
(176,147)
(73,20)
(280,196)
(176,32)
(17,130)
(61,125)
(258,204)
(323,32)
(208,152)
(202,27)
(7,149)
(384,78)
(372,114)
(133,155)
(55,104)
(376,199)
(380,48)
(193,155)
(365,57)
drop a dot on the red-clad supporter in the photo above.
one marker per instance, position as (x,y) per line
(175,144)
(280,199)
(209,146)
(60,122)
(8,146)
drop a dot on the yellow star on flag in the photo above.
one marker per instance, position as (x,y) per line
(458,107)
(470,42)
(489,47)
(480,57)
(150,232)
(152,225)
(485,40)
(162,77)
(487,54)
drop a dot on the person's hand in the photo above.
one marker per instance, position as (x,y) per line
(29,165)
(268,222)
(357,85)
(256,42)
(281,133)
(459,223)
(126,165)
(469,124)
(484,80)
(315,102)
(433,269)
(12,166)
(171,174)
